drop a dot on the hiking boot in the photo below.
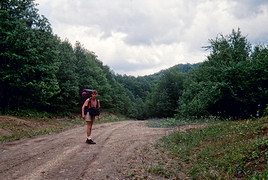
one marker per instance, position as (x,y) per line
(89,141)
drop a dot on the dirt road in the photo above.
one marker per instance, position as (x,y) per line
(66,155)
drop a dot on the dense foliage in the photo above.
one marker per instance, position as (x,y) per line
(231,83)
(41,72)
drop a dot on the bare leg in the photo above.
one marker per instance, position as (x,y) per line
(89,125)
(89,128)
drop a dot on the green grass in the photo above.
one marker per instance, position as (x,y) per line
(164,123)
(161,171)
(172,122)
(226,150)
(38,114)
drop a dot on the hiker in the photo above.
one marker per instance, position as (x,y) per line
(91,109)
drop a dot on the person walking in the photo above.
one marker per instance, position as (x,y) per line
(91,109)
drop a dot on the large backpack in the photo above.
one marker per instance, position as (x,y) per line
(86,93)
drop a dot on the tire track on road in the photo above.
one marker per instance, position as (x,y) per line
(65,155)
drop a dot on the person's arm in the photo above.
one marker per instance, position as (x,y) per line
(83,108)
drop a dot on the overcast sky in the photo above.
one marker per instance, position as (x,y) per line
(142,37)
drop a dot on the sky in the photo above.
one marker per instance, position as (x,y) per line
(142,37)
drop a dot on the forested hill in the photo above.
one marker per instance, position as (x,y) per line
(140,86)
(41,72)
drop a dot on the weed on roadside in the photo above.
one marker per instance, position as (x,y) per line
(161,171)
(172,122)
(227,150)
(164,123)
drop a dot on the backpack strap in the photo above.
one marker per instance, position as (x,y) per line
(89,103)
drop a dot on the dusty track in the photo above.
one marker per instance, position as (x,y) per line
(66,155)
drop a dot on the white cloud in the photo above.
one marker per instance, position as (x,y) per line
(139,37)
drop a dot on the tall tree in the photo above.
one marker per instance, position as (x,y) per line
(28,63)
(68,97)
(166,95)
(230,83)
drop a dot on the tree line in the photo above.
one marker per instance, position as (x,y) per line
(231,83)
(41,72)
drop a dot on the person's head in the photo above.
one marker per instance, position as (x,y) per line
(94,94)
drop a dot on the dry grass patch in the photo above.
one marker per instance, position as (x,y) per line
(13,128)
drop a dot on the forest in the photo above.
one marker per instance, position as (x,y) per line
(41,72)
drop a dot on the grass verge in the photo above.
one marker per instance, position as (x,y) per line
(172,122)
(14,128)
(226,150)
